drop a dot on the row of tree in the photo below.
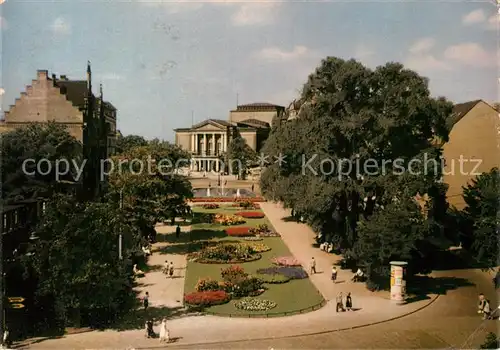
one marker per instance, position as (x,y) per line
(350,116)
(74,275)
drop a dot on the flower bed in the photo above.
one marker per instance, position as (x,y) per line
(273,278)
(228,220)
(207,298)
(291,272)
(239,232)
(207,284)
(286,261)
(224,253)
(225,199)
(251,214)
(239,283)
(210,206)
(255,304)
(246,204)
(263,230)
(253,239)
(258,247)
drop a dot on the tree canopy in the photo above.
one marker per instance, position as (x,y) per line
(240,156)
(36,142)
(479,220)
(76,260)
(360,142)
(125,143)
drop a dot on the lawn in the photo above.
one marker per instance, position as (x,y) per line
(290,297)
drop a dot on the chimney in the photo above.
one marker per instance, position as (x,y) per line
(42,74)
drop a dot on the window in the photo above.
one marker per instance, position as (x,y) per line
(43,208)
(16,217)
(5,221)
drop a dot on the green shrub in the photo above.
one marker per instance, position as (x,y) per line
(273,279)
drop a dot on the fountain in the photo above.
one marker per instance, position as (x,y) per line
(208,192)
(238,193)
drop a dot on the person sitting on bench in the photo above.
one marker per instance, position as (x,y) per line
(146,250)
(358,276)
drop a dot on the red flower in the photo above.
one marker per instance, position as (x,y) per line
(207,298)
(238,231)
(251,214)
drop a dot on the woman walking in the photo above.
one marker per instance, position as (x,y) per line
(145,301)
(348,302)
(164,333)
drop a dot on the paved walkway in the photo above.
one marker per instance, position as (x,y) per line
(164,291)
(211,329)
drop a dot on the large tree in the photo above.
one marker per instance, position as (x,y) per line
(148,185)
(240,156)
(47,145)
(76,261)
(125,143)
(479,220)
(348,152)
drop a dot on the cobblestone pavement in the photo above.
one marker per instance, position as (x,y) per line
(448,321)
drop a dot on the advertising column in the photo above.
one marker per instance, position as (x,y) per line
(398,282)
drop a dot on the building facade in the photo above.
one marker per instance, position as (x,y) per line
(59,100)
(472,148)
(208,140)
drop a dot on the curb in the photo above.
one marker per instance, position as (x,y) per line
(295,335)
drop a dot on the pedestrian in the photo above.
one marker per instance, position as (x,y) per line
(145,301)
(166,267)
(177,231)
(334,274)
(253,187)
(312,265)
(348,302)
(164,333)
(483,307)
(171,270)
(340,302)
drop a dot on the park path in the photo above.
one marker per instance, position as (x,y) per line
(299,238)
(163,291)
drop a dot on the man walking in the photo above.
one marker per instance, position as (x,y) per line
(145,301)
(177,231)
(312,266)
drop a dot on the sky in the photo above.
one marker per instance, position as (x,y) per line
(163,62)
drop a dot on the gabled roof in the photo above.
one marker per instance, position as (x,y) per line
(459,111)
(254,123)
(215,122)
(75,91)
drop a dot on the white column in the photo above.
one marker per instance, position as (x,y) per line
(213,143)
(205,140)
(192,142)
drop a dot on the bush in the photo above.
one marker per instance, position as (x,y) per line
(255,304)
(264,231)
(273,279)
(210,206)
(251,214)
(223,253)
(258,247)
(207,284)
(247,287)
(239,232)
(246,204)
(207,298)
(291,272)
(228,219)
(233,273)
(286,261)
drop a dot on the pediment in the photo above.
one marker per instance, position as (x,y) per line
(208,125)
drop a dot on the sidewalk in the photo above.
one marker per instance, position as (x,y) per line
(299,238)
